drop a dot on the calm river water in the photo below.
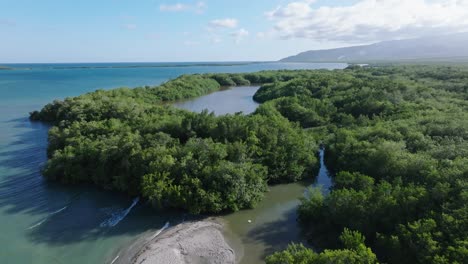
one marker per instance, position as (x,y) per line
(272,224)
(43,222)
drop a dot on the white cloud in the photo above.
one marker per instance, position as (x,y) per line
(224,23)
(239,35)
(174,7)
(219,27)
(261,35)
(198,7)
(370,20)
(300,8)
(265,34)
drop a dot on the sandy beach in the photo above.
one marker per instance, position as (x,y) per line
(189,242)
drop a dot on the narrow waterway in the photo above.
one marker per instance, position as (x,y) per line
(272,224)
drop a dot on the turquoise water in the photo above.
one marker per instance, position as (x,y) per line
(43,222)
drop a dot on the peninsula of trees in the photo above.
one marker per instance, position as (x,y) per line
(131,140)
(396,139)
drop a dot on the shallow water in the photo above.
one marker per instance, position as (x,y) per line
(43,222)
(272,224)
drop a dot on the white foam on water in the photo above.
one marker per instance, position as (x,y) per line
(58,211)
(115,259)
(148,240)
(47,217)
(118,215)
(38,224)
(160,230)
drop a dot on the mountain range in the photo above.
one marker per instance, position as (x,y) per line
(453,47)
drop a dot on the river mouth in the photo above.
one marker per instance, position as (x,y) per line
(272,224)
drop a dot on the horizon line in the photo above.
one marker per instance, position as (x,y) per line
(71,62)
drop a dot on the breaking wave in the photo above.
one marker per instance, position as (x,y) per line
(118,215)
(47,217)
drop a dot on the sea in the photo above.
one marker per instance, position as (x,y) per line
(46,222)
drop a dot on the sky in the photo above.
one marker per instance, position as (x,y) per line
(210,30)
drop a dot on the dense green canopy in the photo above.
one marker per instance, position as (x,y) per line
(132,141)
(354,252)
(396,139)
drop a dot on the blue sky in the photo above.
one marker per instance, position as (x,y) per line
(209,30)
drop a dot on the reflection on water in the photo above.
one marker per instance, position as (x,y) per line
(273,223)
(323,178)
(238,99)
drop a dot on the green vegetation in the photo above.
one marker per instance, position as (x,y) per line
(129,140)
(354,252)
(396,139)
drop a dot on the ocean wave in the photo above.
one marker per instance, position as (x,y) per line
(118,215)
(160,231)
(47,217)
(115,259)
(157,233)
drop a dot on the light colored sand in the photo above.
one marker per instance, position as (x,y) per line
(200,242)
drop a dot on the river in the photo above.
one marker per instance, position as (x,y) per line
(272,224)
(44,222)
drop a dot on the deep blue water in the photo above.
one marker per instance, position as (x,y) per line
(42,222)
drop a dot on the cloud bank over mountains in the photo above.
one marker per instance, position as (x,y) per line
(369,20)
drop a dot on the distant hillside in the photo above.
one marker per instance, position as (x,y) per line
(449,47)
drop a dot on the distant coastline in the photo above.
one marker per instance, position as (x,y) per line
(123,65)
(138,65)
(163,65)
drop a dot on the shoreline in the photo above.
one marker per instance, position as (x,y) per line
(202,241)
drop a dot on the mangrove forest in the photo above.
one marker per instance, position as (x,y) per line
(396,139)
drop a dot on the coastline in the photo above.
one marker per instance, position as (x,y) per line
(202,241)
